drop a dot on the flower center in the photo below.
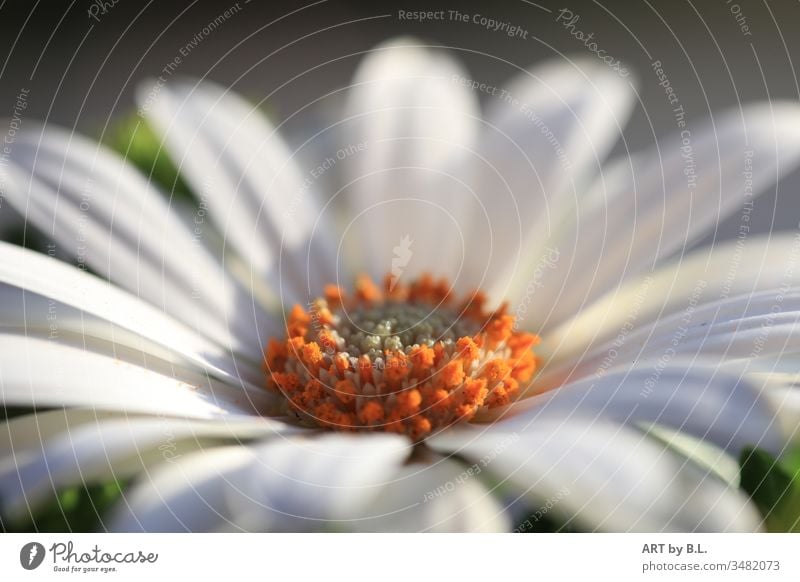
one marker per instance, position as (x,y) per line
(403,358)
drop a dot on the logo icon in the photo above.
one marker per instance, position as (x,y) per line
(402,256)
(31,555)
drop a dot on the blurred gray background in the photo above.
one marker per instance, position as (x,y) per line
(80,60)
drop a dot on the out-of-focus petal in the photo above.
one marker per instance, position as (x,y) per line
(287,485)
(604,477)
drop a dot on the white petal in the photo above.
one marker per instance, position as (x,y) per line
(604,477)
(743,328)
(702,452)
(44,296)
(703,276)
(289,485)
(414,120)
(547,133)
(234,157)
(722,408)
(37,372)
(107,215)
(780,388)
(188,495)
(444,496)
(30,430)
(652,205)
(110,448)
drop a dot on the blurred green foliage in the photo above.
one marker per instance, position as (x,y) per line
(133,139)
(774,486)
(76,509)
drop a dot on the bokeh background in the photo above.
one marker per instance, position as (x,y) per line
(81,60)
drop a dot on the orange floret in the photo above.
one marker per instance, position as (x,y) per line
(341,363)
(346,391)
(371,413)
(312,356)
(276,355)
(294,347)
(522,342)
(397,368)
(418,427)
(334,296)
(365,369)
(500,329)
(452,374)
(524,366)
(287,383)
(437,399)
(467,348)
(366,290)
(473,305)
(422,358)
(408,402)
(426,290)
(475,391)
(299,322)
(496,371)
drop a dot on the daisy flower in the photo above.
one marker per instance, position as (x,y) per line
(487,316)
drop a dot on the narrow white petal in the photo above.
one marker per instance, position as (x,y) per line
(235,158)
(415,121)
(780,392)
(110,448)
(743,327)
(707,275)
(547,134)
(37,372)
(106,214)
(605,477)
(289,485)
(723,408)
(23,432)
(188,495)
(43,296)
(702,452)
(651,205)
(740,328)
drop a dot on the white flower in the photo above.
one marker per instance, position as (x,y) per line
(153,369)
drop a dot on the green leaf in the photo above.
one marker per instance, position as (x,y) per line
(774,487)
(76,509)
(133,139)
(791,461)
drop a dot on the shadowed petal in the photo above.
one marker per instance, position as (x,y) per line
(605,477)
(288,485)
